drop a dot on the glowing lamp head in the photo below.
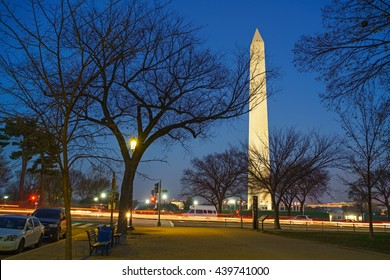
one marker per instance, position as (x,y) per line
(133,144)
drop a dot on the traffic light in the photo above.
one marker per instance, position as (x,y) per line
(33,198)
(156,187)
(153,199)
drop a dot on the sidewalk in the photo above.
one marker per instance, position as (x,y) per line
(185,243)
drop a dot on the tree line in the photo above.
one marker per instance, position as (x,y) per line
(95,73)
(39,174)
(92,73)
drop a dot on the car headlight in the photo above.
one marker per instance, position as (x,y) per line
(53,225)
(11,237)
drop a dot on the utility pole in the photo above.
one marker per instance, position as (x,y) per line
(159,204)
(113,188)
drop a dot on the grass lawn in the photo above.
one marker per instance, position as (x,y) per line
(380,243)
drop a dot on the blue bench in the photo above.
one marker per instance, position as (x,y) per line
(95,245)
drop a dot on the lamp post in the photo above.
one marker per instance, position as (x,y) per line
(240,209)
(103,196)
(113,188)
(133,144)
(159,204)
(232,203)
(164,197)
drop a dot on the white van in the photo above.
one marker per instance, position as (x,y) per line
(202,210)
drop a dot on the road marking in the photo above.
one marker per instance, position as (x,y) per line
(171,223)
(86,225)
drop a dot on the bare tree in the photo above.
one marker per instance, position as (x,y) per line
(158,83)
(352,51)
(216,177)
(313,187)
(90,185)
(292,157)
(366,143)
(53,189)
(48,68)
(12,191)
(382,191)
(289,198)
(358,192)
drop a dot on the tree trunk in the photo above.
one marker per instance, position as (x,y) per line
(67,193)
(370,222)
(302,207)
(126,199)
(22,176)
(276,211)
(67,204)
(220,206)
(388,211)
(41,187)
(289,209)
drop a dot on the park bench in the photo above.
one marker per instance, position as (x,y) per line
(95,245)
(116,236)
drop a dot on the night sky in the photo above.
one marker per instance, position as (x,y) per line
(226,25)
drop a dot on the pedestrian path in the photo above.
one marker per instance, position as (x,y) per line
(176,243)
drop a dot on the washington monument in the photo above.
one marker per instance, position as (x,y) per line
(258,114)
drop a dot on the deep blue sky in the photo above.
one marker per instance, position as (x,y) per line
(225,25)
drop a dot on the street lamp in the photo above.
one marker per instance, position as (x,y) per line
(103,196)
(128,219)
(159,204)
(164,197)
(232,203)
(133,144)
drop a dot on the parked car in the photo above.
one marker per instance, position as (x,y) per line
(19,231)
(302,219)
(54,220)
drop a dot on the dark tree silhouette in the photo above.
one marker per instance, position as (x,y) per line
(158,82)
(292,157)
(5,171)
(366,145)
(352,51)
(216,177)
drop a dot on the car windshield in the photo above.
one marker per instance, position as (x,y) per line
(12,223)
(47,213)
